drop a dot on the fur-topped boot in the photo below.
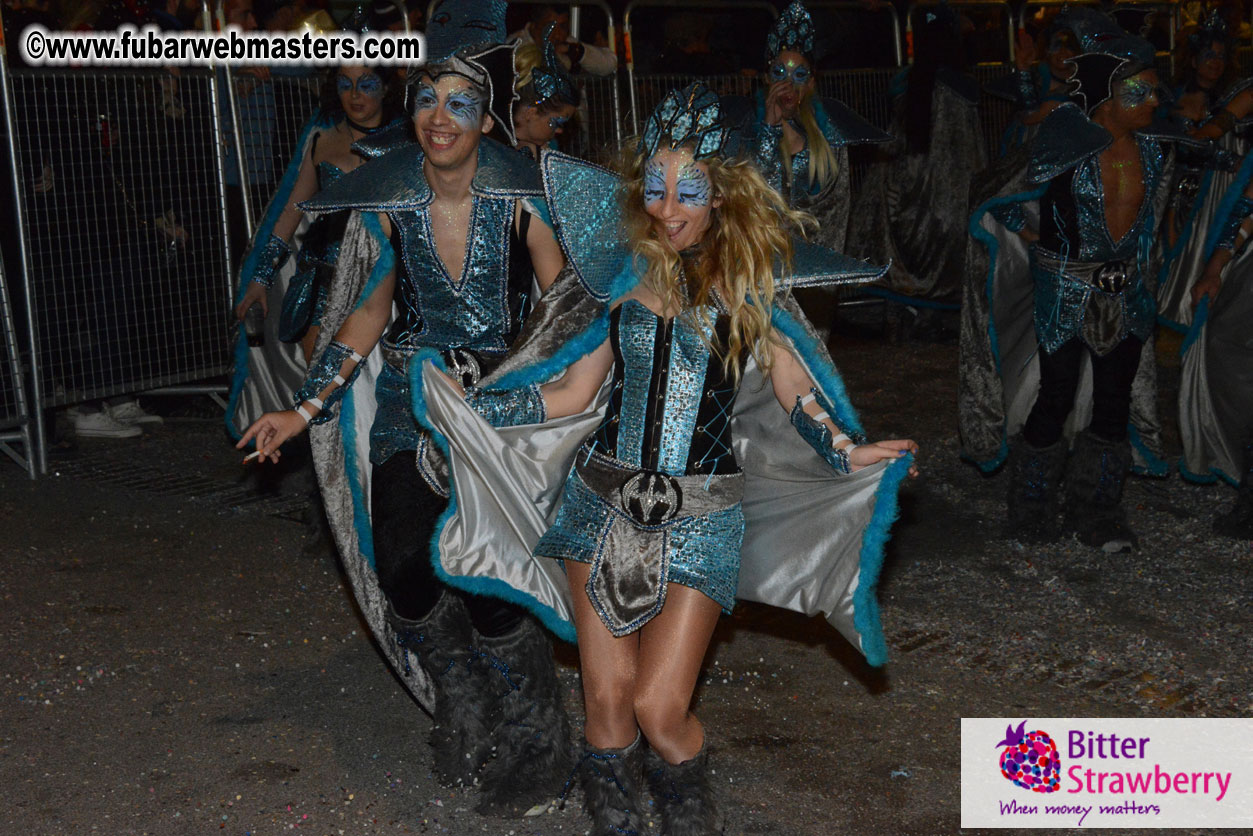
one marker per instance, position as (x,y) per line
(611,788)
(1035,477)
(683,794)
(443,645)
(1238,522)
(530,727)
(1094,486)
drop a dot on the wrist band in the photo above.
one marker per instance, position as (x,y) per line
(304,413)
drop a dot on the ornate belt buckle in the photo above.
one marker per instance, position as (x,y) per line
(463,366)
(1111,277)
(651,498)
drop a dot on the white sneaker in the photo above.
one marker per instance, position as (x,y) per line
(103,425)
(130,412)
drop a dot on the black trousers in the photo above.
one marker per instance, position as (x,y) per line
(1112,376)
(405,512)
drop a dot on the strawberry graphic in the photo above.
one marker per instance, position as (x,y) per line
(1030,759)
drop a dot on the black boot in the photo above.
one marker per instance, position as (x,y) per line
(1094,485)
(611,789)
(530,728)
(443,645)
(683,793)
(1238,522)
(1035,476)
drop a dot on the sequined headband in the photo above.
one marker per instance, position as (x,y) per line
(691,116)
(793,30)
(550,79)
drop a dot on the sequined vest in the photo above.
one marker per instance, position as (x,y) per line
(670,407)
(481,309)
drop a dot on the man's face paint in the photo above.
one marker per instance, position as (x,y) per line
(678,195)
(448,116)
(1137,91)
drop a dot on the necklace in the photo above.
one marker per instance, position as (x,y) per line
(362,129)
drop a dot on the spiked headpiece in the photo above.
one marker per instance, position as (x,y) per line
(793,30)
(691,116)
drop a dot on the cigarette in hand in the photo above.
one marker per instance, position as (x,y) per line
(251,456)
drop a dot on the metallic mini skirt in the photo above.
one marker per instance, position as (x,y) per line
(641,530)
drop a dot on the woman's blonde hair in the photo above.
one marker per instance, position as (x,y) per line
(749,237)
(525,58)
(822,163)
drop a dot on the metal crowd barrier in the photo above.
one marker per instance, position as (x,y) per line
(15,423)
(122,228)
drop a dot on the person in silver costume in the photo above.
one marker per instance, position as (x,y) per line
(452,232)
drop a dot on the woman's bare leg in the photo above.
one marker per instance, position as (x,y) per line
(608,666)
(671,648)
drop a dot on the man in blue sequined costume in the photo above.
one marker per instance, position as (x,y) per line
(1085,202)
(452,232)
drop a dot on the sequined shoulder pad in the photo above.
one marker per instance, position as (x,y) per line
(583,200)
(843,126)
(1066,137)
(393,181)
(503,172)
(396,133)
(816,266)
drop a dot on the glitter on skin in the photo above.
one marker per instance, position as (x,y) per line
(465,108)
(654,181)
(425,98)
(1135,92)
(693,185)
(780,70)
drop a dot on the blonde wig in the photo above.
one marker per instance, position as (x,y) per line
(749,236)
(823,165)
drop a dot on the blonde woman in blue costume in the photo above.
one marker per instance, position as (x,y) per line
(799,140)
(657,380)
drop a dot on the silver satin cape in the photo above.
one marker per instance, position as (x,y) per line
(999,369)
(814,538)
(1184,262)
(341,457)
(1216,387)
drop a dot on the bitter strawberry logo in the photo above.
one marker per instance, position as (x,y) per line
(1030,759)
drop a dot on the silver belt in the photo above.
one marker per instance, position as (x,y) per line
(1106,276)
(652,498)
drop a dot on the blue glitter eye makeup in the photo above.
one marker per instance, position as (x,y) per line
(693,186)
(654,182)
(370,85)
(1135,92)
(424,98)
(464,107)
(799,73)
(367,85)
(557,122)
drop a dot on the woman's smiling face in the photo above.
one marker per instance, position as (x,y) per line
(679,196)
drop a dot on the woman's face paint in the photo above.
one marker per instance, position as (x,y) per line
(678,195)
(448,116)
(361,94)
(798,72)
